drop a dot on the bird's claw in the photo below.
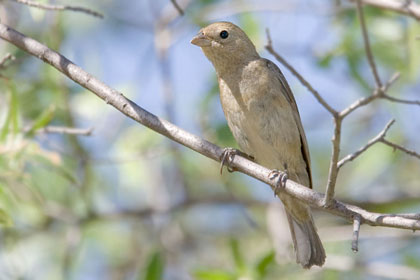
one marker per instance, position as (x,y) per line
(227,158)
(280,179)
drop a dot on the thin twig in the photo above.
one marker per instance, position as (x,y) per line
(269,48)
(333,171)
(7,57)
(367,45)
(381,135)
(398,100)
(401,148)
(412,9)
(177,7)
(368,99)
(357,104)
(132,110)
(384,95)
(378,138)
(66,130)
(391,81)
(60,7)
(356,230)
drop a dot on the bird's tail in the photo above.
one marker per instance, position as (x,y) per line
(308,247)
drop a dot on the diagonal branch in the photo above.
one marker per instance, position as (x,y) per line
(177,7)
(269,48)
(409,8)
(60,7)
(367,45)
(398,100)
(368,99)
(401,148)
(132,110)
(376,139)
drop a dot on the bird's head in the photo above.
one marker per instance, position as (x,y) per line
(225,45)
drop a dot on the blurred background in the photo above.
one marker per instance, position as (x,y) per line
(123,202)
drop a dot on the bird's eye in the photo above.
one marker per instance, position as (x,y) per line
(224,34)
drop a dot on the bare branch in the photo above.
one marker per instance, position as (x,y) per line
(391,81)
(403,7)
(367,45)
(60,7)
(130,109)
(378,138)
(333,171)
(177,7)
(366,100)
(398,100)
(384,95)
(371,142)
(401,148)
(356,230)
(358,103)
(66,130)
(269,48)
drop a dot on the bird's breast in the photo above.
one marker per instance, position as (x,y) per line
(262,122)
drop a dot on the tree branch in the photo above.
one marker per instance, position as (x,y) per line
(66,130)
(130,109)
(367,45)
(368,99)
(269,48)
(376,139)
(333,171)
(177,7)
(398,100)
(60,7)
(401,148)
(402,7)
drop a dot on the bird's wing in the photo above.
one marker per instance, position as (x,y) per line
(289,96)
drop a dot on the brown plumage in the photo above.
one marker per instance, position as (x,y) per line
(262,114)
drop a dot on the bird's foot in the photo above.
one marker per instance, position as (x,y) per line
(280,179)
(227,158)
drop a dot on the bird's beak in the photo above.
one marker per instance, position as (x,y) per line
(201,40)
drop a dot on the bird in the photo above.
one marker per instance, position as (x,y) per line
(263,117)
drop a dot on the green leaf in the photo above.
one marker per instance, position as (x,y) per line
(236,254)
(5,219)
(264,263)
(43,119)
(213,275)
(154,268)
(325,60)
(12,116)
